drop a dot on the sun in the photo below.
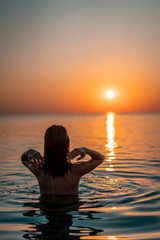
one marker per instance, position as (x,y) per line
(110,94)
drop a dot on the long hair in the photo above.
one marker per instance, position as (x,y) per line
(56,147)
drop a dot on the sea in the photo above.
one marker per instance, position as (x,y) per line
(120,199)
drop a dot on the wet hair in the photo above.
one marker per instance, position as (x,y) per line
(56,147)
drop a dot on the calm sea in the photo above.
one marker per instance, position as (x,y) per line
(119,200)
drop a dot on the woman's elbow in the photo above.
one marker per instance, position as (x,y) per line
(24,157)
(102,159)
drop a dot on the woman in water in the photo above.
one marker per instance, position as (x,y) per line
(57,176)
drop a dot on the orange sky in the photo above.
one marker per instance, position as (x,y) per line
(63,56)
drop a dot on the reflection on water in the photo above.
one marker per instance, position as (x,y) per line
(100,238)
(112,238)
(59,226)
(111,144)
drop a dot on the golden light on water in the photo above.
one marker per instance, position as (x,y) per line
(112,238)
(111,144)
(114,208)
(110,133)
(99,237)
(110,94)
(110,148)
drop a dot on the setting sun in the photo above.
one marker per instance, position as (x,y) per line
(110,94)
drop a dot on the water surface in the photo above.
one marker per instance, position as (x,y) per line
(120,199)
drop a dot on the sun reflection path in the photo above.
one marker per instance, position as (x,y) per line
(111,144)
(112,238)
(99,237)
(110,149)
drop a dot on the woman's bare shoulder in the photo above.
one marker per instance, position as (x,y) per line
(79,167)
(76,165)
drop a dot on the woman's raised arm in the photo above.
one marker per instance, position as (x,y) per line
(86,167)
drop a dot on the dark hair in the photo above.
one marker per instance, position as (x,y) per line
(56,147)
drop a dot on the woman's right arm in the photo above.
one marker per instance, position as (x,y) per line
(86,167)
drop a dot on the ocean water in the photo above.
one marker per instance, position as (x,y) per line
(120,199)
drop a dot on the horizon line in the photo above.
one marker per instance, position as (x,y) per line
(77,113)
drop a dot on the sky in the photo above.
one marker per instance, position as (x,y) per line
(61,56)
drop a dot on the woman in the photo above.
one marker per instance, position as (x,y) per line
(57,176)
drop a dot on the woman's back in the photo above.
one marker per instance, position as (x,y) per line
(67,184)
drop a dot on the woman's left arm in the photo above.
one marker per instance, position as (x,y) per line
(32,160)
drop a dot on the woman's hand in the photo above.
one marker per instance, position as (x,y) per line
(32,159)
(35,158)
(76,152)
(83,151)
